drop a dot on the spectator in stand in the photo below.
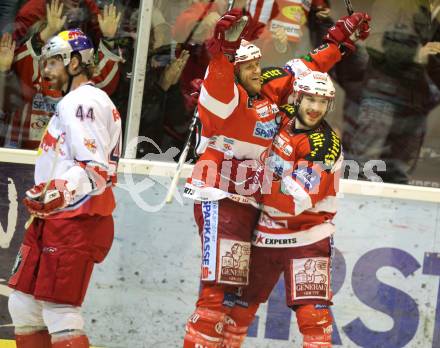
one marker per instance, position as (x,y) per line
(284,23)
(10,94)
(163,103)
(26,126)
(8,10)
(77,13)
(397,89)
(195,26)
(171,9)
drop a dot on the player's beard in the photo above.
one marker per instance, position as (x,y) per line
(59,83)
(251,87)
(308,125)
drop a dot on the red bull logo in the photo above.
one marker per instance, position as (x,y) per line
(70,34)
(90,144)
(116,115)
(49,142)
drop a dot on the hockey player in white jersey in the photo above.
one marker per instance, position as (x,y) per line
(72,202)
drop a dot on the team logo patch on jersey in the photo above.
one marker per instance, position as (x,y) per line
(48,141)
(266,130)
(90,145)
(116,115)
(233,267)
(269,74)
(308,177)
(19,261)
(310,278)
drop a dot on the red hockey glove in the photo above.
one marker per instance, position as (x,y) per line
(254,30)
(250,178)
(229,31)
(192,95)
(349,29)
(42,204)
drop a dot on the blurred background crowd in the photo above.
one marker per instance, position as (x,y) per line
(388,90)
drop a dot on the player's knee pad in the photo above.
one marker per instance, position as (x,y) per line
(216,297)
(62,318)
(40,339)
(320,341)
(204,329)
(315,323)
(237,324)
(71,341)
(26,312)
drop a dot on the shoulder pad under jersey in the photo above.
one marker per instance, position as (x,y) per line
(272,73)
(325,146)
(288,109)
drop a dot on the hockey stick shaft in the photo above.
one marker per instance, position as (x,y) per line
(349,7)
(182,159)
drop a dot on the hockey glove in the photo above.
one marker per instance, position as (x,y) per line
(251,178)
(42,203)
(191,96)
(229,31)
(349,29)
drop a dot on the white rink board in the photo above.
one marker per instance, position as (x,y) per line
(143,293)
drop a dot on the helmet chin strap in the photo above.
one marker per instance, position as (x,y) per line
(70,80)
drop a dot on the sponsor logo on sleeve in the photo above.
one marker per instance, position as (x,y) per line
(266,130)
(325,147)
(270,74)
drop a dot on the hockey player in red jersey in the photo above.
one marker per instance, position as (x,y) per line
(72,202)
(294,232)
(239,119)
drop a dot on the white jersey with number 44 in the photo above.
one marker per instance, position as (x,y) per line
(82,146)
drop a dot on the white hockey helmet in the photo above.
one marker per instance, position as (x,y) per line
(315,83)
(246,52)
(68,42)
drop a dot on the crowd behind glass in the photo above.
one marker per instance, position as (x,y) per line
(388,89)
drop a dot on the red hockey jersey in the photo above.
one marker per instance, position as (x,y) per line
(235,126)
(301,202)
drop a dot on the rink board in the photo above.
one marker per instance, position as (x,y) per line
(386,271)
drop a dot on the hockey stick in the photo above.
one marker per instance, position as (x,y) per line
(46,186)
(182,158)
(349,7)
